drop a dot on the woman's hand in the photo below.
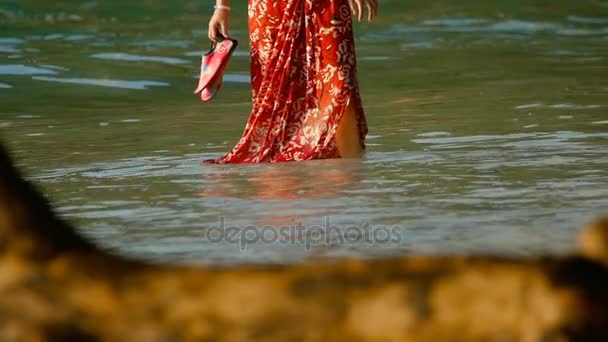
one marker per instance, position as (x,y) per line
(356,6)
(218,24)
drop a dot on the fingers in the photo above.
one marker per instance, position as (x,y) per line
(370,10)
(351,4)
(375,7)
(224,30)
(356,7)
(210,34)
(213,30)
(218,26)
(216,30)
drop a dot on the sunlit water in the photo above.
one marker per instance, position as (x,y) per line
(488,132)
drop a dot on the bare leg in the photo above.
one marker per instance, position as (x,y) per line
(347,135)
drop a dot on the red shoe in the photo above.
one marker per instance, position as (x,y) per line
(212,89)
(213,65)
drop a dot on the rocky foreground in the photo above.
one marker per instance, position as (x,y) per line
(56,286)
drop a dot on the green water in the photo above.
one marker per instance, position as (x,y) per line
(488,131)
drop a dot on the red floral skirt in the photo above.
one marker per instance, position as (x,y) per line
(303,75)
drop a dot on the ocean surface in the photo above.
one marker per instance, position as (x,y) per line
(488,132)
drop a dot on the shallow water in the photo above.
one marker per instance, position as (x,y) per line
(488,132)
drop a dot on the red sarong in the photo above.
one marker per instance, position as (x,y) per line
(303,74)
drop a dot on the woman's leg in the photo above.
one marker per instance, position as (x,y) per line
(340,91)
(347,135)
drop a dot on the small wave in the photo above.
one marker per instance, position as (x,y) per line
(375,58)
(417,45)
(455,22)
(9,49)
(54,67)
(163,43)
(139,85)
(473,138)
(557,106)
(434,134)
(138,58)
(79,37)
(587,20)
(11,41)
(519,26)
(20,69)
(582,31)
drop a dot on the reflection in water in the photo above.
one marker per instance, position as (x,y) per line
(319,179)
(288,184)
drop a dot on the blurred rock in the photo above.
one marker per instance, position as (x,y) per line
(593,241)
(56,286)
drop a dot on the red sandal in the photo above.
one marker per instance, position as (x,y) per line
(213,65)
